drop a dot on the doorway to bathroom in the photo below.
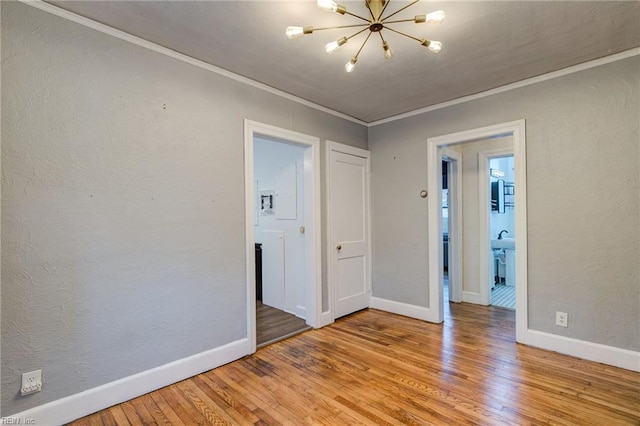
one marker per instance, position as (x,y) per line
(502,232)
(476,147)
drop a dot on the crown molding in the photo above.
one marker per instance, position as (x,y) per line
(89,23)
(512,86)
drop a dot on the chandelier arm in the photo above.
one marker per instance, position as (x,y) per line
(341,26)
(400,20)
(355,34)
(373,18)
(401,33)
(356,16)
(365,42)
(381,37)
(400,10)
(384,8)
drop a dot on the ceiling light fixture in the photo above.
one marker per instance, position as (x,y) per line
(375,24)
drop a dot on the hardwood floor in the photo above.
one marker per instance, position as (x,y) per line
(378,368)
(273,324)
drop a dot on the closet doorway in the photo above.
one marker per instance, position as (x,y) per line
(279,235)
(283,232)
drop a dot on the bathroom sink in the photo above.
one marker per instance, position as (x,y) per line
(505,243)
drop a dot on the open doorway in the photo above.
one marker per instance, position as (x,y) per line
(279,233)
(445,232)
(473,290)
(451,225)
(502,232)
(283,232)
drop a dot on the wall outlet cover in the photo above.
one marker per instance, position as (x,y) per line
(562,319)
(31,382)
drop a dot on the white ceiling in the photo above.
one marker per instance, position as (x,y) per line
(487,44)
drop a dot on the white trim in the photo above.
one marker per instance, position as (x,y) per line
(249,218)
(73,407)
(358,152)
(62,13)
(517,129)
(89,23)
(520,199)
(313,247)
(313,267)
(348,149)
(484,220)
(597,352)
(471,297)
(325,318)
(434,227)
(517,85)
(412,311)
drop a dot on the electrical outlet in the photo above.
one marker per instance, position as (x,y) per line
(31,382)
(562,319)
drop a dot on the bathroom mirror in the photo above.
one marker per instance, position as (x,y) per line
(497,196)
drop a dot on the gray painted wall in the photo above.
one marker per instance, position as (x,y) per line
(583,177)
(122,204)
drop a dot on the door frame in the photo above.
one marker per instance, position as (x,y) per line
(517,130)
(454,177)
(484,219)
(332,293)
(312,219)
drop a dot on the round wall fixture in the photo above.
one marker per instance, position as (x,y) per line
(423,193)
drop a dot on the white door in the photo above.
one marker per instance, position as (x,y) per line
(349,228)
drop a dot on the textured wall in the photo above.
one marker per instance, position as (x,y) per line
(122,204)
(583,177)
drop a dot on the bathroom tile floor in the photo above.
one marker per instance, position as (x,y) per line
(503,295)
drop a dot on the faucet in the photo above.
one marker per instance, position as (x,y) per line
(501,232)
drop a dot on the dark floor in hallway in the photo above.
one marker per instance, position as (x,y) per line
(273,324)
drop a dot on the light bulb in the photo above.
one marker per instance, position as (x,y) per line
(331,6)
(351,64)
(435,46)
(293,32)
(328,5)
(435,17)
(388,53)
(330,47)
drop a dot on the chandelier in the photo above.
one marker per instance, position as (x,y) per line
(375,23)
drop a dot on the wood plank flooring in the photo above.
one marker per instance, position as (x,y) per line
(273,324)
(378,368)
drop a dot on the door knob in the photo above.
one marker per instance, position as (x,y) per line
(339,247)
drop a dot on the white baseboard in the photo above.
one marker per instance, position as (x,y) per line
(604,354)
(325,319)
(470,297)
(84,403)
(301,312)
(412,311)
